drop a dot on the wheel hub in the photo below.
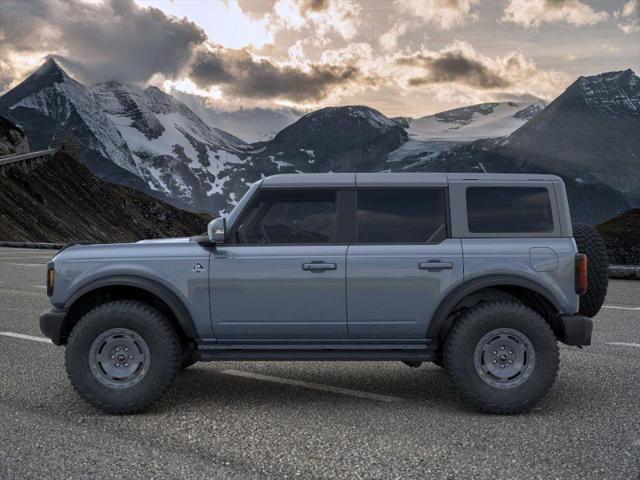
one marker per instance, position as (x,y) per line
(119,358)
(504,358)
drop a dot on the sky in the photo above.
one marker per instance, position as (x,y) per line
(402,57)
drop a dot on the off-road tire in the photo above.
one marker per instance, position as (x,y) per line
(165,355)
(461,343)
(589,242)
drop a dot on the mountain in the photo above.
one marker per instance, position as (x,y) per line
(174,151)
(466,124)
(148,140)
(590,133)
(139,138)
(60,200)
(334,139)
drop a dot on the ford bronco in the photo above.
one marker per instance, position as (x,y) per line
(481,274)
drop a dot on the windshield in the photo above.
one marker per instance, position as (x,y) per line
(237,210)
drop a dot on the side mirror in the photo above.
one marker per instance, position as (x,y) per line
(217,230)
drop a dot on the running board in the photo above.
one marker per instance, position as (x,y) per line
(421,351)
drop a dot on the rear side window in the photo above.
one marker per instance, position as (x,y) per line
(509,210)
(401,215)
(291,217)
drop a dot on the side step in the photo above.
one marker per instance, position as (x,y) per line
(416,351)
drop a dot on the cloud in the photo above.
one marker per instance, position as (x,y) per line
(459,71)
(322,17)
(239,73)
(533,13)
(629,25)
(113,40)
(389,40)
(445,14)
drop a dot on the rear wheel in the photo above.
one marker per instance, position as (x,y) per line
(502,357)
(122,356)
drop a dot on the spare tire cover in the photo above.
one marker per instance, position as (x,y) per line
(591,243)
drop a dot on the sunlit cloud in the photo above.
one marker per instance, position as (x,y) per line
(460,71)
(224,22)
(444,14)
(533,13)
(629,17)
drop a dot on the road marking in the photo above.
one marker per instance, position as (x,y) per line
(623,344)
(616,307)
(39,286)
(24,258)
(313,386)
(25,337)
(28,264)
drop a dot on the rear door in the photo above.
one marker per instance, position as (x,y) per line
(402,262)
(283,274)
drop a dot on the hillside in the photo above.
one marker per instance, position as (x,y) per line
(60,201)
(621,235)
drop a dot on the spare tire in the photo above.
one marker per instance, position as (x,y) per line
(591,243)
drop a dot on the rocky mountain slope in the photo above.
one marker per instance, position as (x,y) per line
(12,140)
(621,236)
(61,201)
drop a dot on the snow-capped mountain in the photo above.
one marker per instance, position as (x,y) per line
(53,104)
(334,139)
(466,124)
(141,138)
(589,135)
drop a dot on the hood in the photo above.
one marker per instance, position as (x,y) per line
(166,240)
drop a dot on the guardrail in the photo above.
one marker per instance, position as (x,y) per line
(25,157)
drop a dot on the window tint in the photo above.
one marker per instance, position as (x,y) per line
(509,210)
(401,215)
(279,217)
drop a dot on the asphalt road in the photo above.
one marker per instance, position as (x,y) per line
(315,419)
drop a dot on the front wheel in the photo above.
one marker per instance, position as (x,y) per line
(502,357)
(122,356)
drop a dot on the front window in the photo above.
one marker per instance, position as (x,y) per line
(289,217)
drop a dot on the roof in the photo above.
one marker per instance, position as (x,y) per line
(417,179)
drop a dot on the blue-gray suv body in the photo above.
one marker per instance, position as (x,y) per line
(478,273)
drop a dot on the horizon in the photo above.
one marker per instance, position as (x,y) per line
(403,58)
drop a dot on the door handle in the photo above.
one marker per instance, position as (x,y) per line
(435,266)
(319,267)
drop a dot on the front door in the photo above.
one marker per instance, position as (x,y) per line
(282,276)
(401,264)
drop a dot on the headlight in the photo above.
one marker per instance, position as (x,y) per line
(51,276)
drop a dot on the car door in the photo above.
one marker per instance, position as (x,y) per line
(401,263)
(282,276)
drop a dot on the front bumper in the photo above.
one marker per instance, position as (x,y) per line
(52,325)
(575,330)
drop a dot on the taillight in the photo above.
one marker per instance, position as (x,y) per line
(581,274)
(50,278)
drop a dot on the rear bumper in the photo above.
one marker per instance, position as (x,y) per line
(52,323)
(575,330)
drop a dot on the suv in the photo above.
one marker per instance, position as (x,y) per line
(477,273)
